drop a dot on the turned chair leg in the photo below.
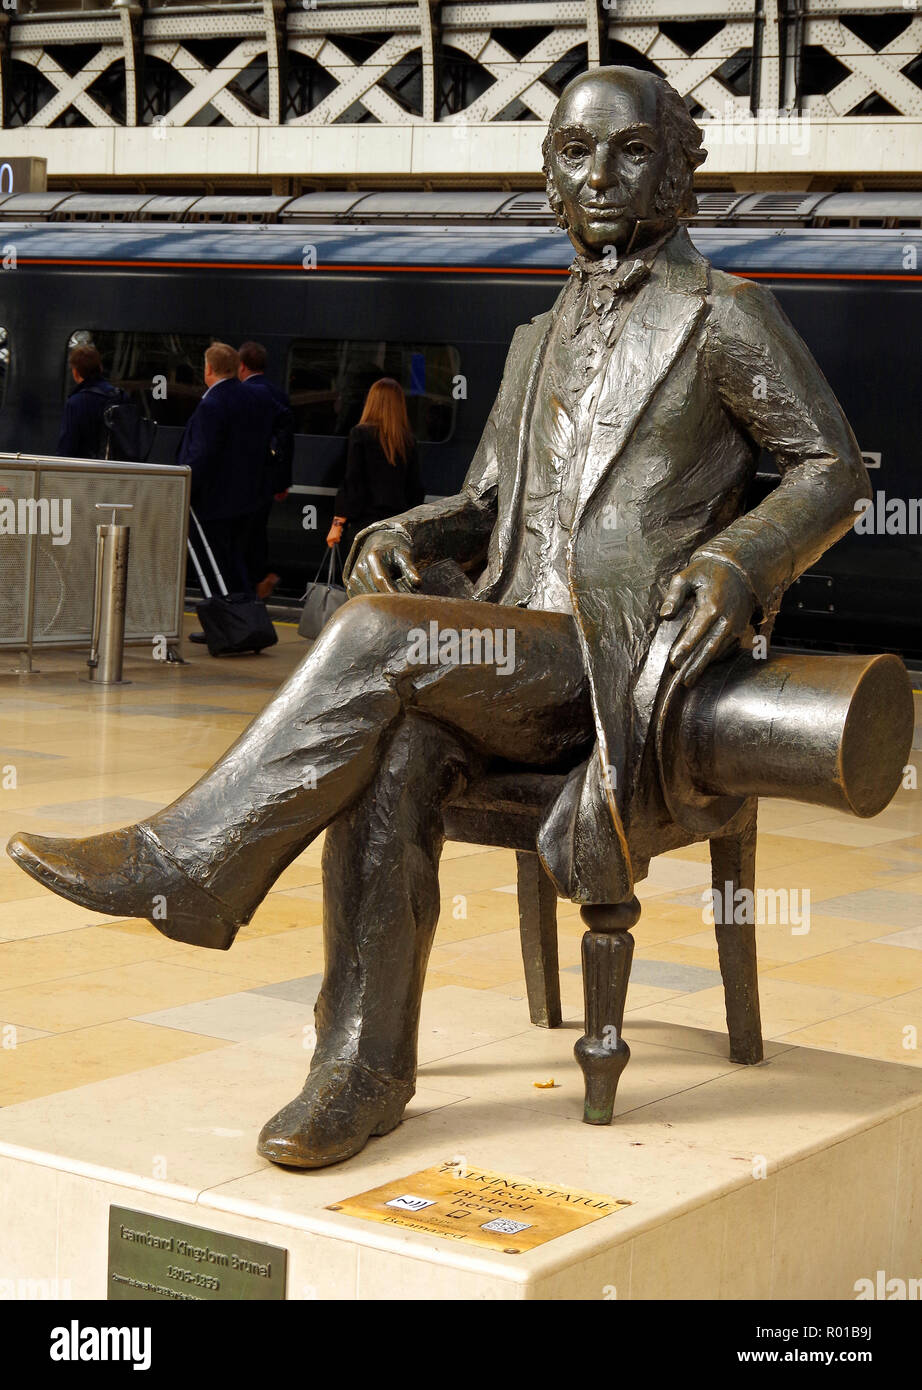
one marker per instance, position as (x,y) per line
(733,860)
(538,930)
(602,1052)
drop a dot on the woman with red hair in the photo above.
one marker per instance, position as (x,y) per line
(382,465)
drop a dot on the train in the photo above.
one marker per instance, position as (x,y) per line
(344,286)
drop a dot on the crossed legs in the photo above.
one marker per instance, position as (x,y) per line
(369,737)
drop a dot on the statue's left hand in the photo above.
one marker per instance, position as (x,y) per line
(720,614)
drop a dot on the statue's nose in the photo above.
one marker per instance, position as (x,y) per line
(603,173)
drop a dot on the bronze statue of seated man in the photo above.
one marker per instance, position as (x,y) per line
(607,492)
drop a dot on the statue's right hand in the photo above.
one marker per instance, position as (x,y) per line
(384,566)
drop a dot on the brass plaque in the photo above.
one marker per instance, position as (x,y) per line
(480,1207)
(155,1258)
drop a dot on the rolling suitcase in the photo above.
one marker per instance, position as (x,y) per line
(232,623)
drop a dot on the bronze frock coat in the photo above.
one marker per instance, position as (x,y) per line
(705,370)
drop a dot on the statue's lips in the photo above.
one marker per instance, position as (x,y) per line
(603,214)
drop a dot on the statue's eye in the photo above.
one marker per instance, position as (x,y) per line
(637,149)
(574,150)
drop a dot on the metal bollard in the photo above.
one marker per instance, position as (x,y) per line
(107,645)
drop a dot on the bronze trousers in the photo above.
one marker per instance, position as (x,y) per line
(382,722)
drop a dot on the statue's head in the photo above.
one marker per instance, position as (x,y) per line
(620,156)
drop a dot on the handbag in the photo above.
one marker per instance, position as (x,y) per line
(232,623)
(322,598)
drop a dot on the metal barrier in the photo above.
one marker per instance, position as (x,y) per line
(48,525)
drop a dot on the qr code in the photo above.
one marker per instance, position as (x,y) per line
(410,1203)
(505,1227)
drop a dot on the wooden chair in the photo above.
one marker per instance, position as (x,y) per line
(829,730)
(505,809)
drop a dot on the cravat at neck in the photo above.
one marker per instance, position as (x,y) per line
(607,279)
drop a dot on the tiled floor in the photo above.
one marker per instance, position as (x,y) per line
(84,998)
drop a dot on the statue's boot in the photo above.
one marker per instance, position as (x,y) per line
(128,873)
(198,869)
(380,909)
(340,1108)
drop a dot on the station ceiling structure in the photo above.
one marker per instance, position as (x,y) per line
(290,96)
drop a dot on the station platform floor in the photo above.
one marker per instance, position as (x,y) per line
(135,1072)
(84,997)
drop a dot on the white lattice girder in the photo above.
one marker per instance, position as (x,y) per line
(541,13)
(771,95)
(596,28)
(370,19)
(428,10)
(470,26)
(667,11)
(526,14)
(870,71)
(207,24)
(828,7)
(693,75)
(27,33)
(71,91)
(515,78)
(130,53)
(356,81)
(209,85)
(275,40)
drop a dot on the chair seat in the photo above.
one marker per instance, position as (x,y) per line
(503,808)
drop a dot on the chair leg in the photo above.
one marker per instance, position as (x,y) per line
(602,1053)
(538,930)
(733,868)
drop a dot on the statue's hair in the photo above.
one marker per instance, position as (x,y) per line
(675,196)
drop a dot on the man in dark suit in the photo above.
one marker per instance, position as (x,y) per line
(83,431)
(604,514)
(252,372)
(225,445)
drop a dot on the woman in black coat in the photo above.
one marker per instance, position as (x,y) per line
(382,466)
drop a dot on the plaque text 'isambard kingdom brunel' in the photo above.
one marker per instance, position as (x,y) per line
(152,1257)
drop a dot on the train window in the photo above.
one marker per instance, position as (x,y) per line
(4,362)
(163,371)
(328,380)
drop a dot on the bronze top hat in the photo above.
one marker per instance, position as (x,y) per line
(832,730)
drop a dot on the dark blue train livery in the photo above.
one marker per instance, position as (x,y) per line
(346,287)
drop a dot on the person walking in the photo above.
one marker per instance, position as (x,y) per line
(83,430)
(225,446)
(277,476)
(382,465)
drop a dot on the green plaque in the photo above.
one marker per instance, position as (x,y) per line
(155,1258)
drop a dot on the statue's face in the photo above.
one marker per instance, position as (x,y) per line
(608,156)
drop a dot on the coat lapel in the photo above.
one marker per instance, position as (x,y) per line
(531,349)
